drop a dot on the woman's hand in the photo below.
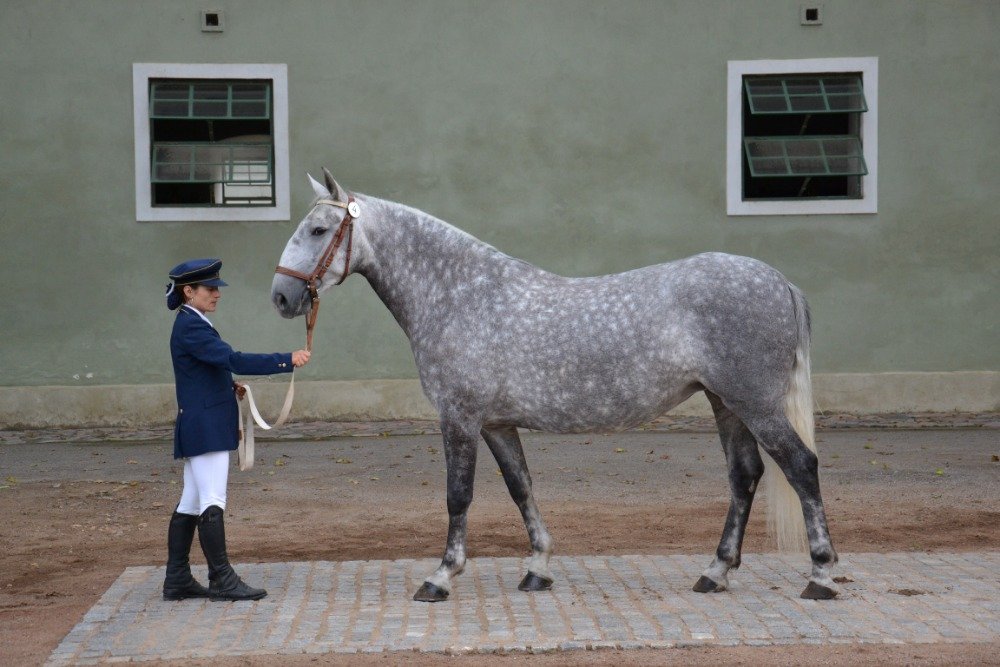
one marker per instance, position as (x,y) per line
(300,357)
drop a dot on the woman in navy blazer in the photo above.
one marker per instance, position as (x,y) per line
(207,429)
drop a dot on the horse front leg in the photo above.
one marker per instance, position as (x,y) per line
(460,445)
(507,450)
(745,470)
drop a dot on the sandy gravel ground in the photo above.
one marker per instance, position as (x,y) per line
(79,507)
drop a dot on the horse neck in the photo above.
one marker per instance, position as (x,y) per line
(410,255)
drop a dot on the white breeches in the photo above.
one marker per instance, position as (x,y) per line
(205,479)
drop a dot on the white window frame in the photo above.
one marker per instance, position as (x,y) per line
(735,204)
(144,209)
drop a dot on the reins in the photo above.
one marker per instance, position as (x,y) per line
(312,280)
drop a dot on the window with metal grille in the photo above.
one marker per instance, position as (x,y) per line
(801,136)
(211,142)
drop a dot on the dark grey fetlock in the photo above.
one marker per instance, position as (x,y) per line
(223,582)
(178,583)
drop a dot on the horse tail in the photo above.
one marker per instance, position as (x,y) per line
(784,508)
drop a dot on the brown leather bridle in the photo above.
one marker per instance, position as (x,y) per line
(351,212)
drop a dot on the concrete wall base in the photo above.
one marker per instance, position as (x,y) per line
(364,400)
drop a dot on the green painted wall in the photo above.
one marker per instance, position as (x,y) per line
(585,137)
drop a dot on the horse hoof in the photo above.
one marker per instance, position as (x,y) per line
(430,593)
(706,585)
(534,582)
(816,591)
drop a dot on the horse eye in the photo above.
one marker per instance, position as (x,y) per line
(318,231)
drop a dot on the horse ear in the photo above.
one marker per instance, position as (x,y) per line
(333,186)
(320,191)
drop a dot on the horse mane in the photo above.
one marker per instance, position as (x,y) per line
(457,244)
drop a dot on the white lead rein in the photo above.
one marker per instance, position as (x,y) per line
(246,449)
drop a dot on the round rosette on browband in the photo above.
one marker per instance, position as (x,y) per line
(194,271)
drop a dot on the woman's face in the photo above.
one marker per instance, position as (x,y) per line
(203,298)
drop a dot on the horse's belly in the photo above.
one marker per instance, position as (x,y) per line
(573,410)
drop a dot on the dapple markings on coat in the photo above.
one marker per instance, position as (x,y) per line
(501,344)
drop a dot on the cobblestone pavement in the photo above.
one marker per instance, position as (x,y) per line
(322,430)
(597,602)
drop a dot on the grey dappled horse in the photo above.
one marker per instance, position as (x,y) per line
(501,344)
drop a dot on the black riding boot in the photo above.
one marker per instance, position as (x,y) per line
(223,582)
(179,584)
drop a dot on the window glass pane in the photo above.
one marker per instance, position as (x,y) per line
(249,172)
(210,91)
(765,87)
(215,109)
(212,163)
(249,109)
(241,152)
(803,104)
(770,166)
(847,165)
(169,100)
(171,154)
(837,85)
(170,91)
(807,166)
(250,100)
(804,156)
(211,100)
(842,146)
(838,93)
(845,103)
(170,108)
(855,165)
(171,163)
(206,153)
(770,104)
(801,147)
(249,91)
(765,148)
(803,86)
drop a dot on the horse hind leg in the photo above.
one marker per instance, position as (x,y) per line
(745,470)
(800,466)
(506,447)
(460,443)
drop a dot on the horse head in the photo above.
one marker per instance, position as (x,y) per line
(317,255)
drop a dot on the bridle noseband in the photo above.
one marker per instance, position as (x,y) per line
(352,212)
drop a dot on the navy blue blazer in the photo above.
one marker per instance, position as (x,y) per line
(207,416)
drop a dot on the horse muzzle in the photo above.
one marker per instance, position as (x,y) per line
(290,296)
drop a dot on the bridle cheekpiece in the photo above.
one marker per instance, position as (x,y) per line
(352,211)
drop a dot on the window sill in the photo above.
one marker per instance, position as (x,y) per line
(213,213)
(803,207)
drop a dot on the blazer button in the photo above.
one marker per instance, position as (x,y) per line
(181,411)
